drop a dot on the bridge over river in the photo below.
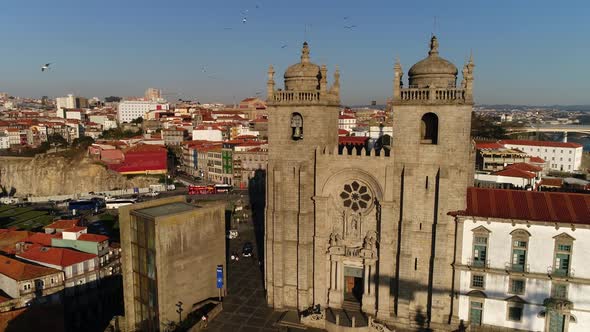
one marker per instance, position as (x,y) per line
(565,129)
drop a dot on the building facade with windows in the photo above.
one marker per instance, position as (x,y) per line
(130,110)
(521,261)
(560,156)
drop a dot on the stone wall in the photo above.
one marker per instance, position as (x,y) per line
(53,175)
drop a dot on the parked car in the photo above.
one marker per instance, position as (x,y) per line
(247,249)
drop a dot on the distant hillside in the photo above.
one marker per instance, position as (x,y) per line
(578,108)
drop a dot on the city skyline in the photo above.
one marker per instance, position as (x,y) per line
(529,53)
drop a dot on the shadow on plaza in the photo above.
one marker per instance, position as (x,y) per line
(257,195)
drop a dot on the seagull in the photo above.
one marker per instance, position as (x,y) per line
(284,46)
(45,67)
(350,27)
(244,20)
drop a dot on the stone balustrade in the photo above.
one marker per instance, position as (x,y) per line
(431,95)
(295,96)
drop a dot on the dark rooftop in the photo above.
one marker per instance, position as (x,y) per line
(165,209)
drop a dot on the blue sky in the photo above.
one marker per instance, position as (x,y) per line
(526,52)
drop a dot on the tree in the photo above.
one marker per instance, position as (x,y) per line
(137,121)
(112,99)
(482,127)
(82,143)
(56,139)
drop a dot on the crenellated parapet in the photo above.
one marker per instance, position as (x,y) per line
(342,152)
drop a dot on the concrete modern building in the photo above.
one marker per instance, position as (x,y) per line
(171,250)
(522,261)
(69,102)
(560,156)
(359,230)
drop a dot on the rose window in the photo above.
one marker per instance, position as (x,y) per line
(356,196)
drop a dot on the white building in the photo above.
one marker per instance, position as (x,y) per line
(207,133)
(346,122)
(103,120)
(69,102)
(130,110)
(4,141)
(560,156)
(522,261)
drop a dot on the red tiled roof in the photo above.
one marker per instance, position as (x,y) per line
(537,160)
(525,167)
(63,224)
(355,140)
(528,205)
(343,132)
(9,239)
(541,143)
(346,117)
(515,173)
(146,148)
(551,182)
(55,256)
(93,237)
(488,145)
(42,238)
(20,271)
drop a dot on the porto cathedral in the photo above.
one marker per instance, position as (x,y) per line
(368,228)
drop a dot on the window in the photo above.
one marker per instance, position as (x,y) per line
(515,311)
(296,126)
(520,240)
(53,280)
(475,312)
(563,252)
(27,286)
(429,129)
(517,286)
(477,281)
(480,246)
(559,291)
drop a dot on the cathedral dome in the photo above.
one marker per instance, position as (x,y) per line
(303,76)
(433,71)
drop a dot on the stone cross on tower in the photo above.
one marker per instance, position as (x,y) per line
(305,53)
(433,46)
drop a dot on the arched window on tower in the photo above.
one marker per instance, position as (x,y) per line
(296,126)
(429,129)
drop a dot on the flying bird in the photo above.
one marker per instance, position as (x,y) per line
(45,66)
(284,46)
(244,20)
(350,27)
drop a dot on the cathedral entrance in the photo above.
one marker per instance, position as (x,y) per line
(353,284)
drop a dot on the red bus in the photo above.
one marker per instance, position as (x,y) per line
(201,190)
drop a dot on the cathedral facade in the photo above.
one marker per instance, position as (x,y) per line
(360,228)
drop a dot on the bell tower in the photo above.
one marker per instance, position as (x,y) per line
(302,116)
(433,168)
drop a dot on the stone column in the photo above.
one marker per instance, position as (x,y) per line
(335,296)
(369,293)
(320,246)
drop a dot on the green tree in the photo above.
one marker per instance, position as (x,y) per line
(112,99)
(82,143)
(56,139)
(138,120)
(482,127)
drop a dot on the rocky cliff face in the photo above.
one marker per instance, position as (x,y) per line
(52,175)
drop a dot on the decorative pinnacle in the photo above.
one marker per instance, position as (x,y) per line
(305,53)
(433,46)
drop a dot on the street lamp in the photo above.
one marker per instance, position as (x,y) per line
(179,311)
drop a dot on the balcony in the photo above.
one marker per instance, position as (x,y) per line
(523,268)
(296,96)
(479,264)
(562,273)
